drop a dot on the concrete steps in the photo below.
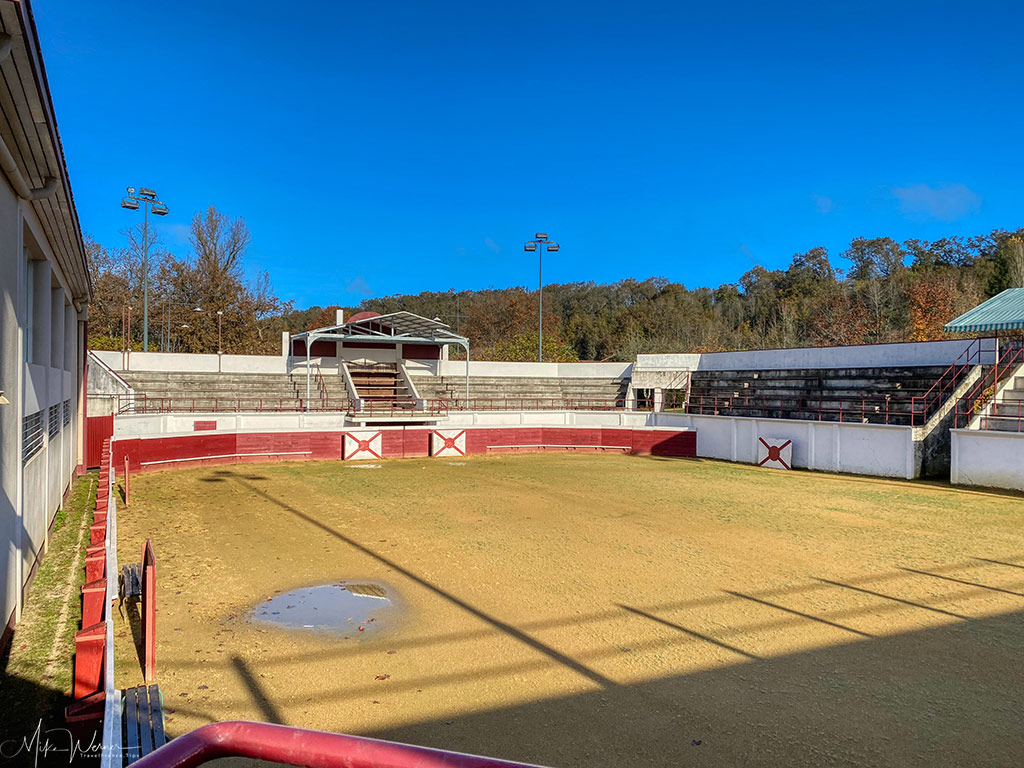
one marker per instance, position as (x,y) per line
(512,387)
(873,395)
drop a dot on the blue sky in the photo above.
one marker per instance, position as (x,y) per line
(394,147)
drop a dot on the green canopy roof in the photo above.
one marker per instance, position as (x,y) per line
(1002,312)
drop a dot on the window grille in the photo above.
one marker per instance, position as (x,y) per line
(54,421)
(31,436)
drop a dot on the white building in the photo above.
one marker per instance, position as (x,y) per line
(44,289)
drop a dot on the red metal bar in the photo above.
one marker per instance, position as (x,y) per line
(300,747)
(149,611)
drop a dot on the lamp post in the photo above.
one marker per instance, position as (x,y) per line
(167,321)
(147,199)
(538,244)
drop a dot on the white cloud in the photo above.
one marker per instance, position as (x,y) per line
(360,286)
(825,204)
(492,245)
(945,201)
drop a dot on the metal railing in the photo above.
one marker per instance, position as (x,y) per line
(951,379)
(321,385)
(301,747)
(980,399)
(198,403)
(905,410)
(881,409)
(141,403)
(443,405)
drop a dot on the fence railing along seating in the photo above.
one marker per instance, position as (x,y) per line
(907,396)
(1002,414)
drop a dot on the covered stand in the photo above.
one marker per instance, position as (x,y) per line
(1003,312)
(397,327)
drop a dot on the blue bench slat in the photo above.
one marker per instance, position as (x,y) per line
(156,705)
(131,726)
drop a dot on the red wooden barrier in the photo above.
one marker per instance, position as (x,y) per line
(95,561)
(89,644)
(126,480)
(98,429)
(97,533)
(93,596)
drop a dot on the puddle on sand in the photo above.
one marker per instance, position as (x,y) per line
(350,609)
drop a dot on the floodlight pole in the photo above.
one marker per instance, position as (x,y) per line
(538,244)
(147,197)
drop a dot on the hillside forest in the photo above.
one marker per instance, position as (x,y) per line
(891,291)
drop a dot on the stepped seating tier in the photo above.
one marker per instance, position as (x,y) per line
(220,391)
(521,387)
(872,395)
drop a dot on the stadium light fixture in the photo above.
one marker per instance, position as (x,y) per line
(147,198)
(537,245)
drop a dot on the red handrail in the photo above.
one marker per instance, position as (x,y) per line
(301,747)
(974,402)
(947,383)
(142,403)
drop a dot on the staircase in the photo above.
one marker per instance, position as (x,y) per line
(380,385)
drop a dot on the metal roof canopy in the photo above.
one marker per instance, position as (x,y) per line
(1003,312)
(399,327)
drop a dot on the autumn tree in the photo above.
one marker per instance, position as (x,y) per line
(931,302)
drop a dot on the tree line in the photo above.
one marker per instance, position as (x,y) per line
(892,291)
(195,302)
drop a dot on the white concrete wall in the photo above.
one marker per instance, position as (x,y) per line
(132,425)
(862,449)
(37,308)
(12,267)
(863,356)
(992,459)
(187,363)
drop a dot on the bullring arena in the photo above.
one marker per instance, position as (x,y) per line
(589,564)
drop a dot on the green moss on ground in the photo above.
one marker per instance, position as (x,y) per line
(38,666)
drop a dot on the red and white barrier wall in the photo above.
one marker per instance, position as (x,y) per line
(168,451)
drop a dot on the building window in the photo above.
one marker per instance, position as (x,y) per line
(67,412)
(31,436)
(54,421)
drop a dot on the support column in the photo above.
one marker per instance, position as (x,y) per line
(82,373)
(56,356)
(41,319)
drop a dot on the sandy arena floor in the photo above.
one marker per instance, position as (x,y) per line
(578,610)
